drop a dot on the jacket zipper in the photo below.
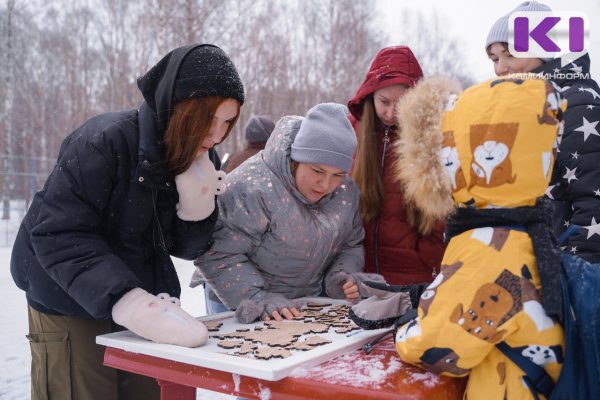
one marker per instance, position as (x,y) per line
(386,140)
(311,256)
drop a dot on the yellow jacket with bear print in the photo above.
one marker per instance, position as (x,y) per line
(490,147)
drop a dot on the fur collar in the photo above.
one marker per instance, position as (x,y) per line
(425,184)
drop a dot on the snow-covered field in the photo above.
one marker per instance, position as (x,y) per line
(15,357)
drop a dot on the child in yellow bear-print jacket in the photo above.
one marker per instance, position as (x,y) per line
(496,144)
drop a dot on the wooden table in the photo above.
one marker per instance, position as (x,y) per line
(379,375)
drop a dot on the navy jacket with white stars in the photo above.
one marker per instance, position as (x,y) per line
(575,185)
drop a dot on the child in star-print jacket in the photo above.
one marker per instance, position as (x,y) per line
(575,184)
(484,158)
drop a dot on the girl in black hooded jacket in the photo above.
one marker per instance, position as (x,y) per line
(94,249)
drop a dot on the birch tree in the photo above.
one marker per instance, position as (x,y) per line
(81,58)
(7,182)
(437,51)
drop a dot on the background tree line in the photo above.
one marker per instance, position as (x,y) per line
(64,61)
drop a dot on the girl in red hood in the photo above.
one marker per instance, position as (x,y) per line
(399,243)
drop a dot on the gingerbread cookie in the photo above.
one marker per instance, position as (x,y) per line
(230,344)
(278,333)
(309,343)
(266,353)
(213,326)
(347,329)
(247,348)
(278,339)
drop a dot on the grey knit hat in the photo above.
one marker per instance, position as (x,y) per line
(499,31)
(258,129)
(325,137)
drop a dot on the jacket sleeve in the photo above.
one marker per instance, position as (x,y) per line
(226,267)
(65,236)
(350,257)
(576,178)
(434,337)
(476,301)
(193,238)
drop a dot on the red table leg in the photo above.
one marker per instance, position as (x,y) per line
(175,391)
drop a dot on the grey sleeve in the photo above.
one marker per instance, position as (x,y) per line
(350,258)
(226,267)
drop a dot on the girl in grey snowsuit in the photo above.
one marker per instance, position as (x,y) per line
(289,223)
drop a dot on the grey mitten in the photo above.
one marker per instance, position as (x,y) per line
(334,284)
(415,291)
(250,310)
(384,306)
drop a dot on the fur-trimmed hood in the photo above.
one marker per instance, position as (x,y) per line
(466,150)
(419,116)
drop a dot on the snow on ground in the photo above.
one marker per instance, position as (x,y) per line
(10,227)
(15,358)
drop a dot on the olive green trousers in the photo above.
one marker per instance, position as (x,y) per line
(66,362)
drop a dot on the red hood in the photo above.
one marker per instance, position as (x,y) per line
(392,65)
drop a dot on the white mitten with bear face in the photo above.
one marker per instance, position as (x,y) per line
(197,187)
(158,318)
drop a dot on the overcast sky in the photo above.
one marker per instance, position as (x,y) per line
(470,21)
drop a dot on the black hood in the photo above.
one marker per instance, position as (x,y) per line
(190,71)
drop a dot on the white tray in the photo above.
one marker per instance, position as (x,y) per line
(214,357)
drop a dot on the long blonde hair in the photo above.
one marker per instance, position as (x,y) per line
(367,170)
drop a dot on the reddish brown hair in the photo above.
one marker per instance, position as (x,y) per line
(188,127)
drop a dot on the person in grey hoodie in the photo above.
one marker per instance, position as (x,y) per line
(289,223)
